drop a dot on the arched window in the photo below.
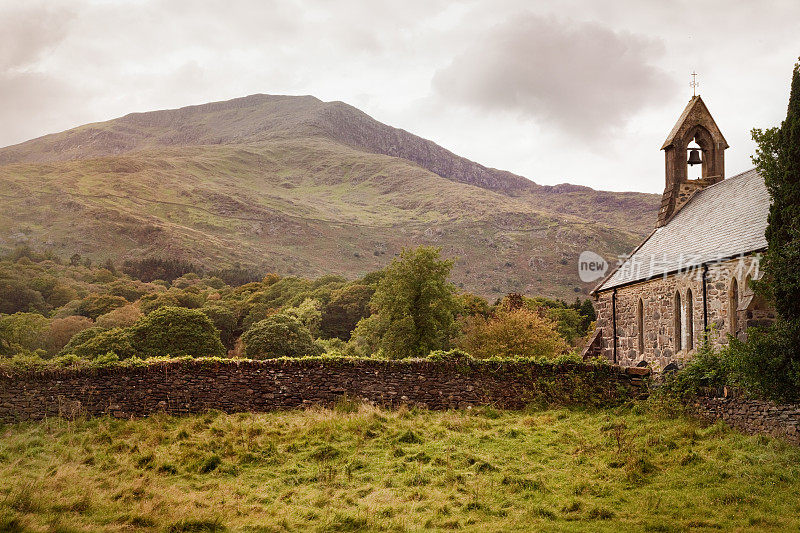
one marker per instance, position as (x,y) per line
(689,320)
(678,320)
(640,325)
(733,305)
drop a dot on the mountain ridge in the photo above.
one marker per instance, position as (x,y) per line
(301,186)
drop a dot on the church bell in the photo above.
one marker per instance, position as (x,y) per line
(694,157)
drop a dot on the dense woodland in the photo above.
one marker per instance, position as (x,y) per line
(62,311)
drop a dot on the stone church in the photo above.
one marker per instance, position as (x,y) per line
(692,274)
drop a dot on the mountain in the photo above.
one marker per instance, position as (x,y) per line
(295,185)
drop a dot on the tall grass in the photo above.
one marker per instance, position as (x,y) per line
(358,468)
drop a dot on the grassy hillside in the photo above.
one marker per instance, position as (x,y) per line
(362,468)
(298,186)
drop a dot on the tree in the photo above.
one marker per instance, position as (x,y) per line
(15,296)
(512,333)
(414,307)
(116,340)
(80,338)
(176,331)
(95,305)
(121,317)
(63,329)
(279,336)
(587,311)
(309,313)
(769,362)
(23,332)
(346,307)
(778,160)
(225,321)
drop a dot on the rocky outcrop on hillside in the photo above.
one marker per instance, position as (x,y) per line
(351,126)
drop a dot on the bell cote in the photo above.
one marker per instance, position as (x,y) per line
(695,125)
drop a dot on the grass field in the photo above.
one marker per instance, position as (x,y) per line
(361,468)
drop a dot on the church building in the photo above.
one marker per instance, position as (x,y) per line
(692,274)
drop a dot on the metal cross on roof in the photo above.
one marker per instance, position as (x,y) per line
(694,83)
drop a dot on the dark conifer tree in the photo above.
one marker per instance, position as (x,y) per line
(778,160)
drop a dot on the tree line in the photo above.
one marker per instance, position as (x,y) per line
(51,309)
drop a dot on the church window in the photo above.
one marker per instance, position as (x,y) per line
(678,320)
(689,320)
(640,325)
(733,305)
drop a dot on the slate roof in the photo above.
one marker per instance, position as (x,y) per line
(721,221)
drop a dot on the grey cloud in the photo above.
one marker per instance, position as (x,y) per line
(28,31)
(583,78)
(27,95)
(28,100)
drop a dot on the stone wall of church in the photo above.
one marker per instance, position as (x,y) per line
(657,343)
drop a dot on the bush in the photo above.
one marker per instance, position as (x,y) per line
(449,356)
(80,338)
(279,336)
(116,341)
(63,329)
(95,305)
(23,332)
(224,320)
(176,331)
(764,365)
(709,368)
(512,333)
(121,317)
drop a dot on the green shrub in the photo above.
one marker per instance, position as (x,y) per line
(116,340)
(99,304)
(176,331)
(764,365)
(279,336)
(224,320)
(347,306)
(23,332)
(80,338)
(708,368)
(450,356)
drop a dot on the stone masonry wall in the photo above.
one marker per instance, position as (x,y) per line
(187,386)
(658,303)
(750,416)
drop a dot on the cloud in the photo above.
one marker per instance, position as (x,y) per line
(26,33)
(582,78)
(28,94)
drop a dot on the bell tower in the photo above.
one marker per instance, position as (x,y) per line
(695,124)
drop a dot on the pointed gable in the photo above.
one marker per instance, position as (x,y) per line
(695,113)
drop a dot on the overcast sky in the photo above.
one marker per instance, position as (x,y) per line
(562,91)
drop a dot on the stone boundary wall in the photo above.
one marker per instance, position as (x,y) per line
(750,416)
(190,386)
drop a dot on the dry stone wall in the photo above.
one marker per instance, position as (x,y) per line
(749,415)
(188,386)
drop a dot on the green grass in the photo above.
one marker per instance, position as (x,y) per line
(358,468)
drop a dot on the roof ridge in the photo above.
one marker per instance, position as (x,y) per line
(734,226)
